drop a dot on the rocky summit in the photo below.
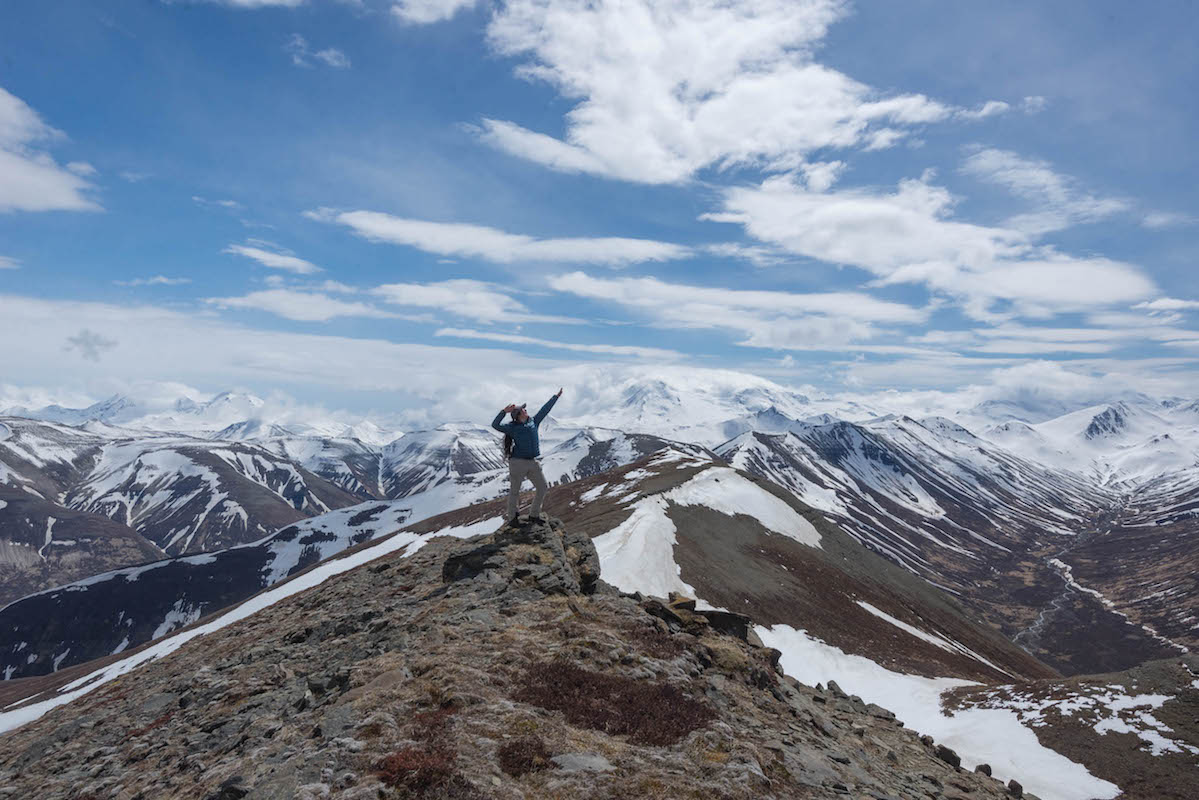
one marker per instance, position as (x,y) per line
(496,667)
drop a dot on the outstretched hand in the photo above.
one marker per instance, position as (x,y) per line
(559,394)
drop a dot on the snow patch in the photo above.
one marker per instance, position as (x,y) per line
(991,736)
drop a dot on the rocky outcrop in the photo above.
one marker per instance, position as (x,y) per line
(497,667)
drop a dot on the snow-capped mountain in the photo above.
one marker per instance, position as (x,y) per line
(986,503)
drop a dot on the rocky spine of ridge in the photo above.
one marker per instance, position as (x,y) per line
(497,667)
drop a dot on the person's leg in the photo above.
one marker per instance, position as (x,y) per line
(516,476)
(538,478)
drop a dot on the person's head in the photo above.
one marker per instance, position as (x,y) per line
(519,414)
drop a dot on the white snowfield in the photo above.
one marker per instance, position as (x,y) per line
(980,736)
(18,714)
(638,554)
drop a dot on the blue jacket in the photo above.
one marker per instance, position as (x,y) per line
(524,434)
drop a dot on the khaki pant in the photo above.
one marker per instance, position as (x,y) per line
(518,470)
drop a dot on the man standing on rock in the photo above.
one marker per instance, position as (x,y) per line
(523,448)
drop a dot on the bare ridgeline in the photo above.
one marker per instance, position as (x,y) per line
(497,667)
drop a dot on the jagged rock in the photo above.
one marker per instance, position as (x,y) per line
(947,755)
(1014,788)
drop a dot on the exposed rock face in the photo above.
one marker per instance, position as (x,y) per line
(499,667)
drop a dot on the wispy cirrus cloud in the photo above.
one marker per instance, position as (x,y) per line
(478,241)
(1059,202)
(471,299)
(303,306)
(273,258)
(31,179)
(423,12)
(302,55)
(602,349)
(770,319)
(155,280)
(9,263)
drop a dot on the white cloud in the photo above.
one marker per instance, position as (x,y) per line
(299,305)
(423,12)
(1167,219)
(32,180)
(779,320)
(990,108)
(274,260)
(205,202)
(1034,104)
(605,349)
(156,280)
(260,3)
(909,237)
(303,56)
(1059,203)
(464,298)
(667,89)
(81,168)
(478,241)
(9,263)
(1168,304)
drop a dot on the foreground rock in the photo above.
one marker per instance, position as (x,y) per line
(498,667)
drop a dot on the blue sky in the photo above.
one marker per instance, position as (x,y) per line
(351,201)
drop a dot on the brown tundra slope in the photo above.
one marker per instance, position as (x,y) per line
(498,667)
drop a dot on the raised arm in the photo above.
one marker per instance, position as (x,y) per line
(502,427)
(545,409)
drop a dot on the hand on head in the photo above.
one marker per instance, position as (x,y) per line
(508,409)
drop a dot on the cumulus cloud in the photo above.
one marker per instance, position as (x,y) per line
(604,349)
(274,259)
(478,241)
(299,305)
(89,344)
(1058,201)
(477,300)
(664,90)
(32,179)
(908,236)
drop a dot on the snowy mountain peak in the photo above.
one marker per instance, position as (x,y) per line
(1110,422)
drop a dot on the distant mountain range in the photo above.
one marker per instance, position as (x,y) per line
(1072,534)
